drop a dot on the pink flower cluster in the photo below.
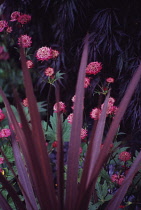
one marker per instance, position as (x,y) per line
(111,110)
(24,41)
(1,160)
(61,106)
(83,134)
(118,179)
(93,68)
(29,64)
(20,18)
(95,113)
(70,118)
(2,116)
(86,82)
(49,72)
(46,53)
(5,132)
(3,25)
(25,102)
(124,156)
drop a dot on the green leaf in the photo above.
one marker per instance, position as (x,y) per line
(95,206)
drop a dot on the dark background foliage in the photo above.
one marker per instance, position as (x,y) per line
(114,29)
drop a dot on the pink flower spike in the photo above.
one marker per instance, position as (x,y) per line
(62,107)
(5,132)
(24,41)
(93,68)
(95,113)
(14,16)
(44,54)
(110,80)
(1,160)
(49,71)
(29,64)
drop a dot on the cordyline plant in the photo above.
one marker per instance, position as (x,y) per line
(35,177)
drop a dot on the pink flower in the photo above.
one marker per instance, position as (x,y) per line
(83,133)
(49,71)
(29,64)
(124,156)
(118,179)
(54,144)
(86,82)
(95,113)
(110,80)
(3,25)
(111,101)
(25,102)
(110,109)
(24,41)
(1,160)
(73,98)
(44,53)
(62,107)
(93,68)
(23,19)
(15,15)
(2,116)
(9,29)
(55,53)
(70,118)
(5,132)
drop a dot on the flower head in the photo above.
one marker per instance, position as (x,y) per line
(44,54)
(23,19)
(54,144)
(93,68)
(49,71)
(29,64)
(83,133)
(25,102)
(73,98)
(15,15)
(124,156)
(110,80)
(86,82)
(2,116)
(5,132)
(1,160)
(95,113)
(118,179)
(70,118)
(55,53)
(9,29)
(3,25)
(61,106)
(24,41)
